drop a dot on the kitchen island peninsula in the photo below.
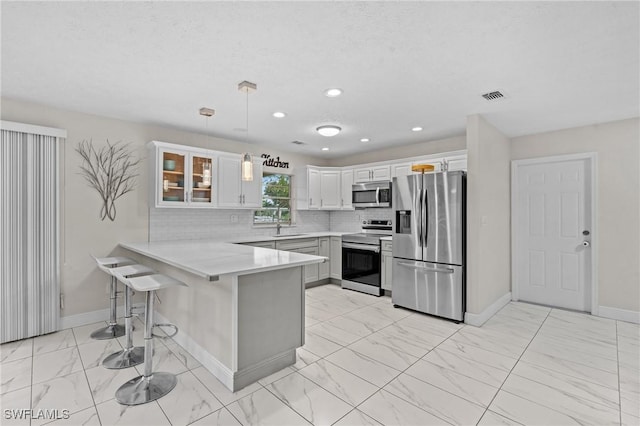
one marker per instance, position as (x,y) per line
(242,316)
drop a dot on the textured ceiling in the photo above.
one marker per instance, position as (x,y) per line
(400,64)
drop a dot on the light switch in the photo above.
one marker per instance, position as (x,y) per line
(484,220)
(234,218)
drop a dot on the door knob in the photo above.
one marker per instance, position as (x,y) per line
(586,243)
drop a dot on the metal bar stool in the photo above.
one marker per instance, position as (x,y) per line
(151,385)
(114,329)
(130,355)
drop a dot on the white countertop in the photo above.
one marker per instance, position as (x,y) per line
(389,238)
(210,259)
(284,236)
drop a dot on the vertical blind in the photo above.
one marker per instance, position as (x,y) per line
(29,243)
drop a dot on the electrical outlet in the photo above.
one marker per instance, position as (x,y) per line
(234,218)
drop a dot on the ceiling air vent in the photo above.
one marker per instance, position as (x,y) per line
(492,96)
(297,143)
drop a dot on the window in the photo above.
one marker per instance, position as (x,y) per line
(276,200)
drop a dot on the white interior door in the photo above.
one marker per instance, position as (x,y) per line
(553,232)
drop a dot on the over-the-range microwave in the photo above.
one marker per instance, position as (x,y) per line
(371,194)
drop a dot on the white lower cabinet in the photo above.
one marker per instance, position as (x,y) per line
(324,249)
(330,247)
(336,257)
(311,272)
(304,246)
(387,261)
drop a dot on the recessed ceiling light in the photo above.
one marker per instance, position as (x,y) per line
(364,140)
(325,149)
(332,93)
(279,114)
(416,129)
(328,130)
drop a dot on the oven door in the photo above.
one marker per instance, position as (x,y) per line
(361,268)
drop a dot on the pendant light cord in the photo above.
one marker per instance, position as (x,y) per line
(247,122)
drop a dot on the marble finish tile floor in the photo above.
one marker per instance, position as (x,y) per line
(364,363)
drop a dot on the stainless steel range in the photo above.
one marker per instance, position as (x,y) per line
(361,258)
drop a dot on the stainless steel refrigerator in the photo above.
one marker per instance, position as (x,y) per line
(429,243)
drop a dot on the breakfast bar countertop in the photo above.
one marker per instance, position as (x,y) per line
(211,259)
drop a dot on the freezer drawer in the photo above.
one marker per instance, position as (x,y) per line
(432,288)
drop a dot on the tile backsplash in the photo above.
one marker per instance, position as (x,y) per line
(226,225)
(351,220)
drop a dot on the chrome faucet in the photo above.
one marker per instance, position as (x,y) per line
(278,226)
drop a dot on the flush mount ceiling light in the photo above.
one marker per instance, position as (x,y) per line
(416,129)
(207,112)
(325,149)
(246,166)
(328,130)
(279,114)
(364,140)
(332,93)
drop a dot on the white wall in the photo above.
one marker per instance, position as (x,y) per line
(618,194)
(406,151)
(488,215)
(82,233)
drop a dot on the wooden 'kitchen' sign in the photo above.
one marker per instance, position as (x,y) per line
(274,162)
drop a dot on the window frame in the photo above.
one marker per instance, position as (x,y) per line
(291,220)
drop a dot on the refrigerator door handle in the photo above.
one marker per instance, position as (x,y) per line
(414,266)
(378,195)
(425,216)
(418,209)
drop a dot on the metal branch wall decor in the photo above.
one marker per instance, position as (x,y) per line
(110,170)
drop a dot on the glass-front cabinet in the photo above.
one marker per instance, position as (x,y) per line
(202,179)
(183,177)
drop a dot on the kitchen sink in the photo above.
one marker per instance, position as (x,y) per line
(287,235)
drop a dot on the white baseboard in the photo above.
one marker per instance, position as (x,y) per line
(92,317)
(619,314)
(211,363)
(481,318)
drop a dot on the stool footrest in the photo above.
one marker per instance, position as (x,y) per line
(167,336)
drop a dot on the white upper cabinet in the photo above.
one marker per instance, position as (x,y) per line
(330,196)
(319,188)
(346,183)
(401,169)
(315,193)
(372,174)
(182,176)
(233,192)
(252,190)
(458,162)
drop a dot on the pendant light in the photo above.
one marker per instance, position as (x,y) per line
(247,160)
(206,165)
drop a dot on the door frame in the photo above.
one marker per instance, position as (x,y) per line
(591,180)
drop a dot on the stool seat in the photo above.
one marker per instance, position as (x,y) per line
(153,282)
(106,263)
(123,272)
